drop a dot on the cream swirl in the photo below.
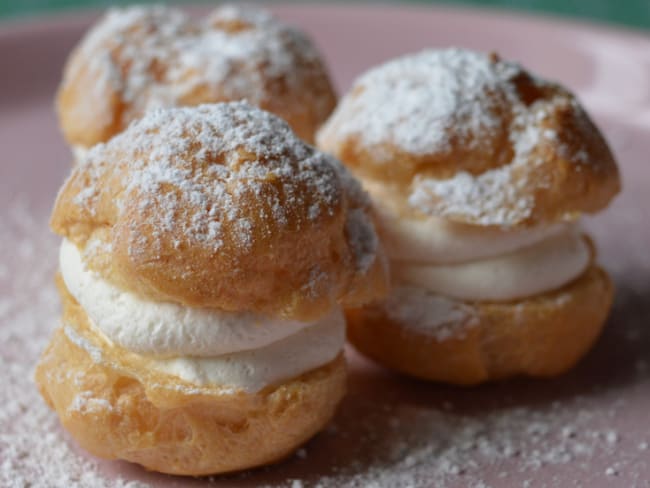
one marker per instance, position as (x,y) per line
(202,346)
(535,269)
(439,241)
(477,263)
(164,328)
(253,370)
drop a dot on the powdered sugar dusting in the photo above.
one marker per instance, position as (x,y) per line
(456,103)
(154,56)
(440,447)
(419,102)
(190,169)
(222,172)
(85,402)
(34,450)
(363,239)
(500,196)
(429,314)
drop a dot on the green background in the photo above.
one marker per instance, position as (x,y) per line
(634,13)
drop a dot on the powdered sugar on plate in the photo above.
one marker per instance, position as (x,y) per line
(422,447)
(34,450)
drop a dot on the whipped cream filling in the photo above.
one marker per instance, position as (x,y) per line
(165,328)
(544,266)
(202,346)
(253,370)
(476,262)
(440,241)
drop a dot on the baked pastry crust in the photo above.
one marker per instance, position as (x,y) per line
(496,145)
(461,137)
(223,206)
(137,58)
(117,407)
(541,336)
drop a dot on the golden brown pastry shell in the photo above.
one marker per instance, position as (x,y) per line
(117,408)
(298,268)
(541,336)
(92,110)
(570,173)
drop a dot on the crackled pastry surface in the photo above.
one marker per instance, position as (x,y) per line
(473,138)
(479,172)
(222,208)
(144,57)
(207,253)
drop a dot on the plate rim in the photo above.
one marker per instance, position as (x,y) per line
(54,20)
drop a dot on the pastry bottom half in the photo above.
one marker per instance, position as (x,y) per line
(118,408)
(540,336)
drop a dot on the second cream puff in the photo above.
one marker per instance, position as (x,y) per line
(479,173)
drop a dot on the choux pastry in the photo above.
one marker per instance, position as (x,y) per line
(144,57)
(206,255)
(479,172)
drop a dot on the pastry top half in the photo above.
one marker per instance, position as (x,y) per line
(138,58)
(472,138)
(223,206)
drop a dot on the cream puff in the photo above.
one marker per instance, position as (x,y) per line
(206,255)
(479,173)
(144,57)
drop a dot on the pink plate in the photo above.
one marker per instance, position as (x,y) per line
(589,428)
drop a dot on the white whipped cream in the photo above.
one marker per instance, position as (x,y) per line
(475,262)
(203,346)
(439,241)
(544,266)
(253,370)
(165,328)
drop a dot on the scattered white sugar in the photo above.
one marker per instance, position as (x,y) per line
(611,437)
(432,447)
(428,313)
(416,102)
(363,238)
(568,432)
(85,402)
(181,168)
(437,101)
(486,198)
(84,195)
(34,449)
(155,56)
(643,446)
(494,197)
